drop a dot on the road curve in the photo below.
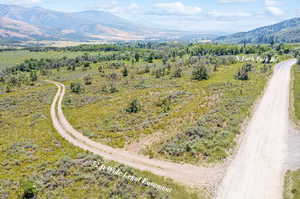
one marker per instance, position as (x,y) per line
(183,173)
(257,171)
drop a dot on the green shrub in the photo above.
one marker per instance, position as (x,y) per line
(87,65)
(178,73)
(165,104)
(87,80)
(33,76)
(101,69)
(200,73)
(29,190)
(298,61)
(76,88)
(125,72)
(242,74)
(8,89)
(134,106)
(160,72)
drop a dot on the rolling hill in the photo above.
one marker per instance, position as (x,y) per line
(286,31)
(20,24)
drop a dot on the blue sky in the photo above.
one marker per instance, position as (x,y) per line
(192,15)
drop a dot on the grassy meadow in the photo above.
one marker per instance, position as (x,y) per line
(32,151)
(12,58)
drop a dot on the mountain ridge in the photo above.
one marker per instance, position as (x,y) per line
(285,31)
(55,25)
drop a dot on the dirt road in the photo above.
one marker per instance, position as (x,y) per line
(182,173)
(257,170)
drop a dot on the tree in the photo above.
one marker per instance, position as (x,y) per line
(137,57)
(125,72)
(200,73)
(298,61)
(134,106)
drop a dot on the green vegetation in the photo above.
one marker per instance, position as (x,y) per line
(37,161)
(134,107)
(292,178)
(243,73)
(76,87)
(292,185)
(116,95)
(296,90)
(200,73)
(13,57)
(212,137)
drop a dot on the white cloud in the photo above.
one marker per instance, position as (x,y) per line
(272,3)
(21,2)
(118,8)
(236,1)
(275,11)
(272,7)
(175,8)
(219,14)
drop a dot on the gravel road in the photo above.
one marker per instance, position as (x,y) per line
(257,171)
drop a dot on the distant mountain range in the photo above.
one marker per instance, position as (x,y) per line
(20,24)
(286,31)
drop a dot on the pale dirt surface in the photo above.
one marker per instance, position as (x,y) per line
(293,158)
(187,174)
(257,171)
(144,142)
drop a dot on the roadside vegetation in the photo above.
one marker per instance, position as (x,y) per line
(292,185)
(296,89)
(292,178)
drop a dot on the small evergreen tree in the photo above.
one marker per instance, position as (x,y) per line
(200,73)
(137,57)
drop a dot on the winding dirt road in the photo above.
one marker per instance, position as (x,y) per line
(182,173)
(257,171)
